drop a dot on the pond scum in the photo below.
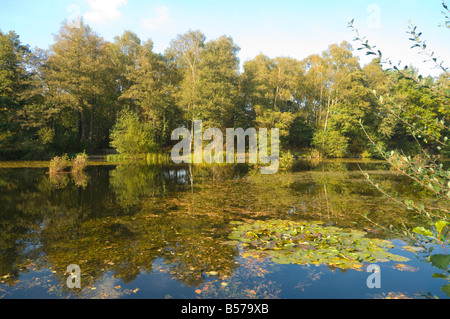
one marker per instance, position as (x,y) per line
(304,243)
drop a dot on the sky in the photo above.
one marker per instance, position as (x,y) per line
(275,28)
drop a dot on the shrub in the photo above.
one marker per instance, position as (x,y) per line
(79,163)
(59,164)
(330,143)
(130,136)
(287,161)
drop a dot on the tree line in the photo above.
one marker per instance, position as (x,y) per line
(88,94)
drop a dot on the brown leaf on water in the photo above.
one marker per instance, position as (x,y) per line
(395,295)
(404,267)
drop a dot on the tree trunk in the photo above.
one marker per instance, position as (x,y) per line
(91,126)
(82,128)
(91,129)
(328,112)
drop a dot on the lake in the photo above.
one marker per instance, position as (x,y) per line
(211,231)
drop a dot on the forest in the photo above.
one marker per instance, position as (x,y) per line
(88,94)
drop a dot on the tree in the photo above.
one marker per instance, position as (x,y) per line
(218,84)
(184,54)
(271,88)
(152,90)
(123,54)
(78,76)
(335,98)
(14,81)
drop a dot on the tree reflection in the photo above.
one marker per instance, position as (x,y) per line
(122,219)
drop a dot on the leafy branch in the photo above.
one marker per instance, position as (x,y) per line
(438,235)
(418,79)
(426,173)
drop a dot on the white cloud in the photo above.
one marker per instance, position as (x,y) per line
(104,10)
(161,19)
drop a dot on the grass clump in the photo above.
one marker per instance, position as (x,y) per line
(79,163)
(58,164)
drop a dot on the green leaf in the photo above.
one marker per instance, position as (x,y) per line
(423,231)
(440,225)
(446,289)
(440,261)
(435,275)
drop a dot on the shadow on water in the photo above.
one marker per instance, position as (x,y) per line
(134,227)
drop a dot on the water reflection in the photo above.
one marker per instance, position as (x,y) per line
(122,220)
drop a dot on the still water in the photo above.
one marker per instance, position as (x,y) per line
(224,231)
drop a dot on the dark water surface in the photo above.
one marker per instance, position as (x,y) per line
(165,231)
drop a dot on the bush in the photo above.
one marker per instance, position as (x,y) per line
(287,161)
(330,143)
(130,136)
(79,163)
(58,164)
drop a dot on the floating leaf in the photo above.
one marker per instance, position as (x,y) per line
(436,275)
(446,289)
(287,242)
(404,267)
(413,248)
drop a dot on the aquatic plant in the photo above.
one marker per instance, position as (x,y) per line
(295,242)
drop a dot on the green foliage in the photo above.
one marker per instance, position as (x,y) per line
(440,234)
(287,161)
(117,157)
(151,87)
(157,158)
(437,235)
(300,133)
(68,98)
(130,136)
(330,143)
(218,83)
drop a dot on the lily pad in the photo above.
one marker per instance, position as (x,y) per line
(294,242)
(413,248)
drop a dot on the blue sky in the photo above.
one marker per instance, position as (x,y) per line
(273,27)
